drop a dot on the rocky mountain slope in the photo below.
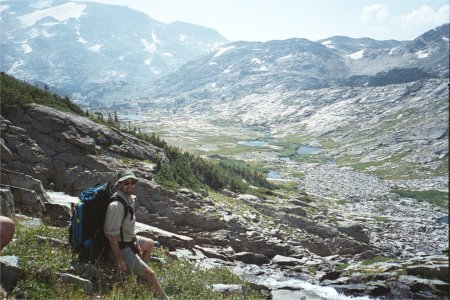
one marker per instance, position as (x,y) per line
(94,52)
(376,105)
(297,238)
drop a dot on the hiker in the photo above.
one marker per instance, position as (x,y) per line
(7,229)
(131,252)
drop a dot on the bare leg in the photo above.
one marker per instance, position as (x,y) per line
(146,245)
(7,229)
(149,276)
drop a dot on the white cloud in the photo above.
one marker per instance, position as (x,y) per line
(376,11)
(426,15)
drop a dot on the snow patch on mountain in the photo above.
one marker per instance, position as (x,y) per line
(148,61)
(149,47)
(182,37)
(46,34)
(167,54)
(95,48)
(61,13)
(284,58)
(261,69)
(227,70)
(3,7)
(155,38)
(392,51)
(422,54)
(328,44)
(256,60)
(223,50)
(33,33)
(357,55)
(81,40)
(26,48)
(15,66)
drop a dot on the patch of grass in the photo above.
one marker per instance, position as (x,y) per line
(340,202)
(434,197)
(341,267)
(40,261)
(298,175)
(289,186)
(380,219)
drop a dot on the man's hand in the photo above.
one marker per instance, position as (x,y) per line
(139,249)
(122,266)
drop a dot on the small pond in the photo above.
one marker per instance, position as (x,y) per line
(307,150)
(256,143)
(273,175)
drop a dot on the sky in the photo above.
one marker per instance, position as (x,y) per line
(263,20)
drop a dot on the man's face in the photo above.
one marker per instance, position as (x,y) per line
(127,186)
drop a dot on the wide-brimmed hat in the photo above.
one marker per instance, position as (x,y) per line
(124,175)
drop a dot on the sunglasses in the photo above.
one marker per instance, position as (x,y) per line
(132,182)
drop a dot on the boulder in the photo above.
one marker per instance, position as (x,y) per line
(211,252)
(228,193)
(294,210)
(251,258)
(416,285)
(85,284)
(285,260)
(229,289)
(168,239)
(10,272)
(246,198)
(29,194)
(58,215)
(27,201)
(429,271)
(353,230)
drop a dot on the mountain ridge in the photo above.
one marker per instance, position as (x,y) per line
(126,50)
(308,64)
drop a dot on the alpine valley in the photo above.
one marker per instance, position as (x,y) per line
(352,131)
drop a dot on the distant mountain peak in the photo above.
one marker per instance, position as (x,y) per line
(94,51)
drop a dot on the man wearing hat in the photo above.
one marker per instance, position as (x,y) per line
(130,252)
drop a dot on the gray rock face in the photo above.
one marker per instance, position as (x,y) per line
(29,194)
(429,271)
(353,230)
(251,258)
(7,203)
(66,146)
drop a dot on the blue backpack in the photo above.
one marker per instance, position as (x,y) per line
(86,235)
